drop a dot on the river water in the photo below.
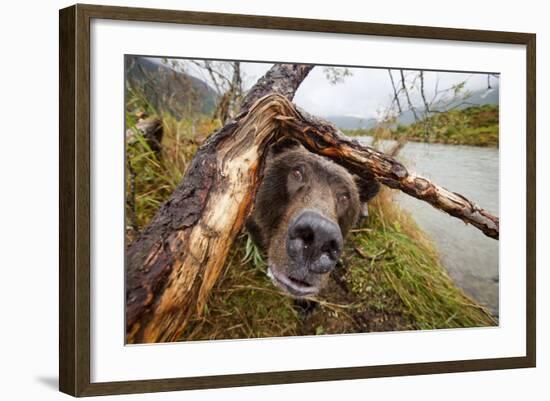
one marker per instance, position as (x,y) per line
(471,258)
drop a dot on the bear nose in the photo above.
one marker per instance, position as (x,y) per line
(314,240)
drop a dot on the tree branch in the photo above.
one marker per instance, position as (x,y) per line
(395,94)
(172,266)
(426,104)
(178,257)
(322,137)
(409,102)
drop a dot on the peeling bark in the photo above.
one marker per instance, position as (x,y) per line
(284,80)
(323,138)
(172,267)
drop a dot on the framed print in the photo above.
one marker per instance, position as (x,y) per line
(250,200)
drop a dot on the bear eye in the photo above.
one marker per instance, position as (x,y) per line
(297,174)
(343,198)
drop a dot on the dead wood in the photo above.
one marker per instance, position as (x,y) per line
(323,138)
(151,130)
(172,266)
(178,257)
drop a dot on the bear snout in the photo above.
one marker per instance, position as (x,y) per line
(314,242)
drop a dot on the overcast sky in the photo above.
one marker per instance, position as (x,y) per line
(365,94)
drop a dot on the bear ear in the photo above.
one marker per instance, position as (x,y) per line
(283,144)
(368,188)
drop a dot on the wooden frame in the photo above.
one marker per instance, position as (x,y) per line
(74,203)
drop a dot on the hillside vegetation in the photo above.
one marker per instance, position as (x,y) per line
(390,277)
(475,126)
(164,88)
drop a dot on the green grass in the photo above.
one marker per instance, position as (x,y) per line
(390,276)
(244,303)
(475,126)
(153,176)
(408,272)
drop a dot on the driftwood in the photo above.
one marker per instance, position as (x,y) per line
(151,130)
(172,267)
(323,138)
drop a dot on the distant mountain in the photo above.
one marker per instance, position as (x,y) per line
(167,89)
(352,122)
(484,96)
(479,97)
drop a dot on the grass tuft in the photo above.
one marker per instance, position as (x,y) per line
(390,276)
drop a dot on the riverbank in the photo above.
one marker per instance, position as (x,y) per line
(470,257)
(390,277)
(474,126)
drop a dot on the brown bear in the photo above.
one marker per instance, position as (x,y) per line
(305,206)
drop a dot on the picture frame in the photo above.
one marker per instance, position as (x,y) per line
(76,201)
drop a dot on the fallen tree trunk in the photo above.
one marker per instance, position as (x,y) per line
(172,267)
(151,130)
(323,138)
